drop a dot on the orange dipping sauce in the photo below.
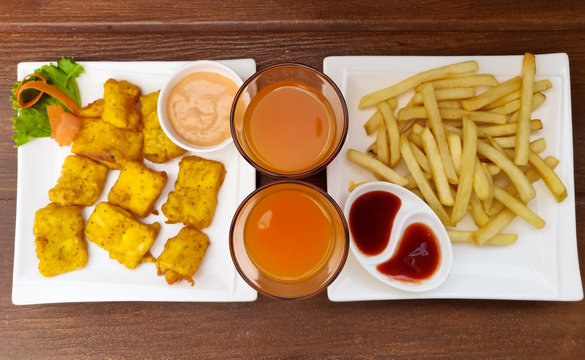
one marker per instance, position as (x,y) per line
(290,127)
(288,235)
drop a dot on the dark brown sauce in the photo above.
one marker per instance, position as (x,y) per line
(370,220)
(417,257)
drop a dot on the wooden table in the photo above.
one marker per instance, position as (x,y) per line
(304,31)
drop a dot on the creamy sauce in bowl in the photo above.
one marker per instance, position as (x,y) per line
(198,108)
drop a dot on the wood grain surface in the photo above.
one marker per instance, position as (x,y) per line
(305,31)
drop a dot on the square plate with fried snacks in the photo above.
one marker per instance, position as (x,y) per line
(103,279)
(541,264)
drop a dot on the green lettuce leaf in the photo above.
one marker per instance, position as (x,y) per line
(33,122)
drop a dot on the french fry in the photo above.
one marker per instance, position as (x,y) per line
(487,203)
(480,181)
(436,125)
(422,183)
(454,142)
(464,81)
(352,185)
(525,188)
(551,179)
(468,156)
(539,86)
(492,94)
(447,94)
(478,214)
(376,166)
(449,104)
(523,131)
(462,236)
(415,80)
(506,129)
(536,102)
(392,131)
(382,148)
(421,158)
(419,112)
(517,207)
(373,122)
(514,105)
(437,169)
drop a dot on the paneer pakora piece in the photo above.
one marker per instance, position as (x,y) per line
(137,188)
(105,143)
(194,198)
(117,231)
(93,110)
(158,148)
(182,255)
(120,100)
(81,183)
(59,241)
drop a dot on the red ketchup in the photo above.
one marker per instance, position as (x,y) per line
(370,220)
(417,256)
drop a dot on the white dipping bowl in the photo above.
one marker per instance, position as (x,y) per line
(412,210)
(194,67)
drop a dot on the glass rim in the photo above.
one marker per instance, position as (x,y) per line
(334,274)
(317,168)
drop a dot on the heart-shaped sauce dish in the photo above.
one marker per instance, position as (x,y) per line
(397,237)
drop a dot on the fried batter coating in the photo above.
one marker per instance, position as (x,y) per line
(59,241)
(81,183)
(182,255)
(158,148)
(120,98)
(119,233)
(194,199)
(93,110)
(137,188)
(112,146)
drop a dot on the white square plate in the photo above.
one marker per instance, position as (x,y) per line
(104,279)
(543,264)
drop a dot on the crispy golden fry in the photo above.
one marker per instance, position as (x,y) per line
(437,169)
(59,241)
(376,166)
(492,94)
(478,214)
(374,121)
(551,179)
(81,183)
(105,143)
(382,149)
(514,105)
(194,199)
(464,189)
(487,203)
(120,99)
(137,188)
(480,181)
(352,185)
(519,208)
(419,112)
(182,255)
(93,110)
(392,130)
(464,81)
(515,95)
(422,183)
(118,232)
(436,125)
(506,129)
(413,81)
(525,188)
(523,130)
(447,94)
(421,158)
(158,148)
(449,104)
(467,237)
(454,142)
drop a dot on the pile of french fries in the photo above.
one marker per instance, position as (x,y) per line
(465,140)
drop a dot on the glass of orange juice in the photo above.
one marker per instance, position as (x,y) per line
(289,120)
(289,240)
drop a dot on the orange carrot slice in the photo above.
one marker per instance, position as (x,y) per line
(64,125)
(43,87)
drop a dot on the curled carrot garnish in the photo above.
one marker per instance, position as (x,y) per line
(43,87)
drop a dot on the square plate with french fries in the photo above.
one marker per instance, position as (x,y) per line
(483,132)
